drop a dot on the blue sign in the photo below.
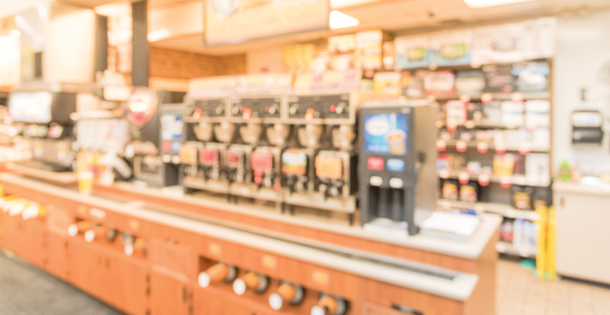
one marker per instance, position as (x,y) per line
(396,165)
(386,134)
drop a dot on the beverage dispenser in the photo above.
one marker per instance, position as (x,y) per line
(397,167)
(44,111)
(153,148)
(207,132)
(254,159)
(326,154)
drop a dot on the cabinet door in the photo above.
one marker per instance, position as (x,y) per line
(34,238)
(86,266)
(57,259)
(11,233)
(170,293)
(126,283)
(581,227)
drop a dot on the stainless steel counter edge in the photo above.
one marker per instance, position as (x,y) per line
(469,250)
(459,289)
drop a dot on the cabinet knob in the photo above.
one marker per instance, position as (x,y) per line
(250,280)
(79,227)
(216,273)
(328,305)
(287,293)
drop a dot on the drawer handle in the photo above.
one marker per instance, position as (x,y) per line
(406,309)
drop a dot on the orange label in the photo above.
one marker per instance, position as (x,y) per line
(321,278)
(270,262)
(134,225)
(329,167)
(215,249)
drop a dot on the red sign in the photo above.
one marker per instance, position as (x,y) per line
(482,147)
(441,145)
(484,179)
(375,164)
(461,146)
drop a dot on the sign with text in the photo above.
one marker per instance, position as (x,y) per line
(236,21)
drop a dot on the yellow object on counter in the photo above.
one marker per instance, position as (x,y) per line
(551,272)
(541,257)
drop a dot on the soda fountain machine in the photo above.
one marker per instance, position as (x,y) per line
(207,132)
(44,110)
(259,149)
(320,171)
(154,165)
(397,166)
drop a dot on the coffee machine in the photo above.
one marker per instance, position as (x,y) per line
(44,111)
(155,139)
(397,168)
(208,132)
(320,172)
(253,164)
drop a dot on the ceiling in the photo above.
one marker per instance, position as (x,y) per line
(398,16)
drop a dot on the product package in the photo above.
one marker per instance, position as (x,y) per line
(450,48)
(504,165)
(468,192)
(440,83)
(522,197)
(470,82)
(504,43)
(498,78)
(411,51)
(532,76)
(450,190)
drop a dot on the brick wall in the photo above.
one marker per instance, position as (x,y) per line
(174,64)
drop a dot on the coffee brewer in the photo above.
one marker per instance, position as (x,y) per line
(155,138)
(320,172)
(208,133)
(44,110)
(253,164)
(397,169)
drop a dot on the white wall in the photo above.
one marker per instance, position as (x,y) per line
(581,43)
(266,61)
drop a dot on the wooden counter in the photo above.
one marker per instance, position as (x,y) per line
(369,271)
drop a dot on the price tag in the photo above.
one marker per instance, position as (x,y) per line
(444,174)
(321,278)
(461,146)
(270,262)
(215,249)
(464,178)
(505,182)
(524,150)
(484,180)
(500,148)
(482,147)
(517,97)
(487,98)
(451,127)
(441,145)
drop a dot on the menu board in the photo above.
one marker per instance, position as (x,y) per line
(386,134)
(31,107)
(236,21)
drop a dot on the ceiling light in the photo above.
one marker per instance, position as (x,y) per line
(158,35)
(339,19)
(490,3)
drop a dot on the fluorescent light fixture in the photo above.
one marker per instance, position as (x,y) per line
(490,3)
(339,19)
(158,35)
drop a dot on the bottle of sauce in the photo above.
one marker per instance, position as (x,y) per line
(251,280)
(217,273)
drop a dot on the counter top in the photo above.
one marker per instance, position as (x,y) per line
(601,189)
(457,286)
(471,249)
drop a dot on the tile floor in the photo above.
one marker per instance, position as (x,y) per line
(520,293)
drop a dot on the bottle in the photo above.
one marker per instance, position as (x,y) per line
(329,305)
(216,273)
(251,280)
(287,293)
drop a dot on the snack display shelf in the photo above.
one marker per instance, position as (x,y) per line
(510,249)
(513,180)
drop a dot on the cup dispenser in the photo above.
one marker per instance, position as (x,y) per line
(397,169)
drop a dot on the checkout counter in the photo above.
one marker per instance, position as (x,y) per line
(147,250)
